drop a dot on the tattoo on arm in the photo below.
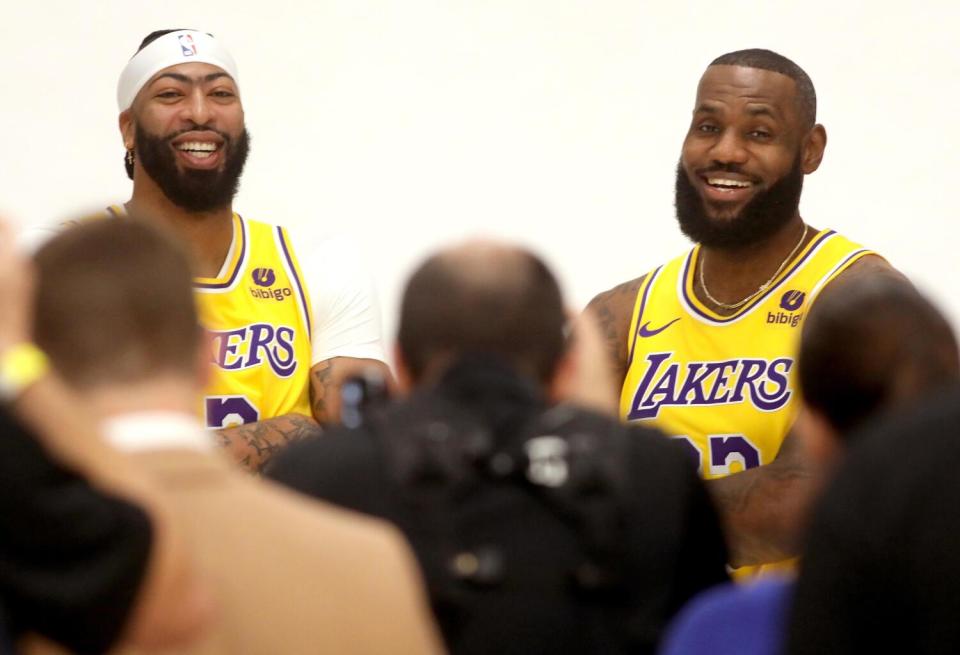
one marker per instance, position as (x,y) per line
(327,376)
(322,391)
(762,509)
(609,328)
(612,310)
(253,444)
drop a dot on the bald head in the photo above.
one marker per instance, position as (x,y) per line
(871,344)
(482,298)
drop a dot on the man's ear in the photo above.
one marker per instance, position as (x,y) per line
(583,375)
(813,146)
(562,386)
(404,378)
(127,128)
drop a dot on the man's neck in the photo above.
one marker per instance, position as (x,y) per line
(732,274)
(151,416)
(208,235)
(165,393)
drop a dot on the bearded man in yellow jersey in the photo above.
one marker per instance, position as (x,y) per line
(705,345)
(288,319)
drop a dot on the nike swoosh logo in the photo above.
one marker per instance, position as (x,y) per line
(644,332)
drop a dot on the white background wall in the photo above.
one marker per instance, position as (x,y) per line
(408,123)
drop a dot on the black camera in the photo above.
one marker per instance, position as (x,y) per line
(359,393)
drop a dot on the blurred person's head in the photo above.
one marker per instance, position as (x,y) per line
(870,345)
(482,299)
(115,307)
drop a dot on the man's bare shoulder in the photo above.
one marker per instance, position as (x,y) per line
(871,265)
(622,294)
(868,266)
(616,305)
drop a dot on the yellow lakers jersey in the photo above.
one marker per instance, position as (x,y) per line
(724,385)
(257,312)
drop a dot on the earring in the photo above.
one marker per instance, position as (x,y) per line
(128,158)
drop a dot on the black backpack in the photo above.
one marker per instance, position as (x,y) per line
(561,474)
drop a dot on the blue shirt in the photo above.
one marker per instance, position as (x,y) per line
(734,619)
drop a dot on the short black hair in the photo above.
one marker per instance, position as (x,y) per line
(869,344)
(769,60)
(487,301)
(153,36)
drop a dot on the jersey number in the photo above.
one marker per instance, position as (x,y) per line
(229,411)
(728,453)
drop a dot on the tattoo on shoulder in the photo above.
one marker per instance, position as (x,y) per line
(612,310)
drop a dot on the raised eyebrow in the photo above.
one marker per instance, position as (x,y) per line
(180,77)
(706,109)
(216,76)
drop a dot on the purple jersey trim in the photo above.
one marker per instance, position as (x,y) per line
(843,264)
(296,278)
(643,304)
(236,269)
(814,245)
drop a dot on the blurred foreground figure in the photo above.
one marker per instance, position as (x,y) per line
(541,527)
(291,575)
(89,554)
(881,572)
(873,347)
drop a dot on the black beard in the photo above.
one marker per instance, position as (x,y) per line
(193,190)
(762,217)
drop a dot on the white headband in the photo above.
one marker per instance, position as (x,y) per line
(180,47)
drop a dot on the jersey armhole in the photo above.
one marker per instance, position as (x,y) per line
(846,263)
(295,272)
(639,304)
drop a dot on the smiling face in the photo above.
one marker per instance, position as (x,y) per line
(744,157)
(187,130)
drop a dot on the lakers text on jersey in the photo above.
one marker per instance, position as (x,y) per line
(724,385)
(258,315)
(257,312)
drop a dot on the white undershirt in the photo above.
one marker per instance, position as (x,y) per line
(343,298)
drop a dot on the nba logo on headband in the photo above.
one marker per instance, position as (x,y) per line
(187,46)
(171,49)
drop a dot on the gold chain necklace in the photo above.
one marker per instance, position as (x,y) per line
(763,287)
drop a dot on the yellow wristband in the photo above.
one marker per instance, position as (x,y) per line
(21,366)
